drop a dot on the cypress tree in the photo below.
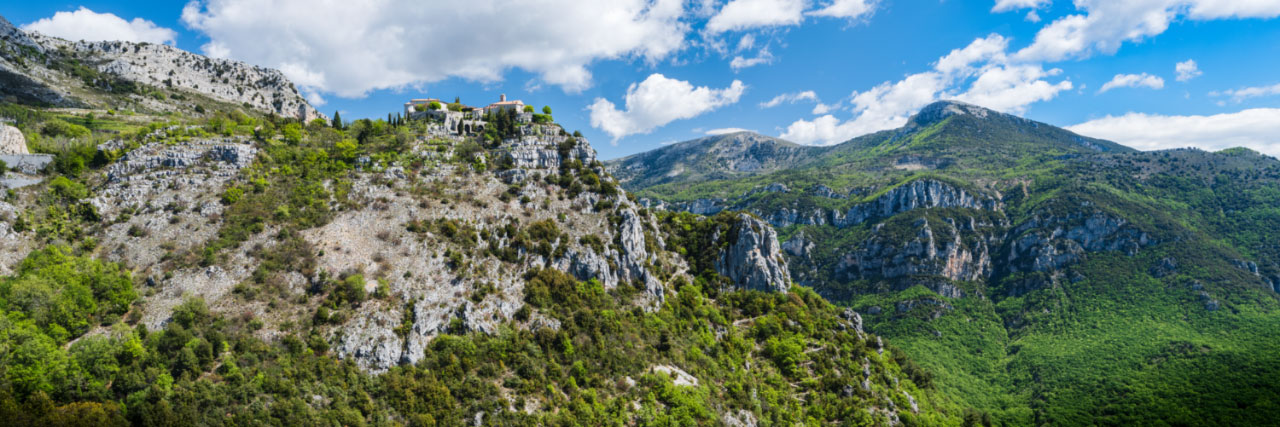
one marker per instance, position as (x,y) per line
(337,120)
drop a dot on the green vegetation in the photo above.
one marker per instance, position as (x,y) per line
(202,368)
(1101,340)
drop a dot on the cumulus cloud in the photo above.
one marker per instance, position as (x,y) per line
(87,25)
(1239,95)
(357,46)
(821,108)
(723,131)
(1106,24)
(1011,88)
(740,15)
(1187,70)
(659,100)
(979,73)
(790,98)
(1257,129)
(1008,5)
(848,9)
(739,62)
(1133,80)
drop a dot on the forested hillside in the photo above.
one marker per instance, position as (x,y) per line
(1043,276)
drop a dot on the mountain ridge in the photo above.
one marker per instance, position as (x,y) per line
(911,146)
(114,74)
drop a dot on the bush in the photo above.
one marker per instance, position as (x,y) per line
(67,189)
(57,127)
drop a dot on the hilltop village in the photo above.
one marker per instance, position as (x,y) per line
(467,120)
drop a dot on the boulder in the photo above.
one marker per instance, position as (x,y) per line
(12,141)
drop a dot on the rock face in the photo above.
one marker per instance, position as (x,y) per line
(960,250)
(753,260)
(537,148)
(919,194)
(149,64)
(1049,242)
(12,141)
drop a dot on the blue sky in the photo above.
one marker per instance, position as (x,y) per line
(635,74)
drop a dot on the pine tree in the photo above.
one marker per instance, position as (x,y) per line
(337,120)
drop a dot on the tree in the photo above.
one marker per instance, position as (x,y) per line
(337,120)
(528,108)
(293,133)
(546,109)
(347,149)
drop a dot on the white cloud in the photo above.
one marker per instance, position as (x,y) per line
(87,25)
(1239,95)
(1257,129)
(1187,70)
(739,62)
(849,9)
(740,15)
(724,131)
(984,49)
(1011,88)
(1008,5)
(979,73)
(659,100)
(821,108)
(1133,80)
(746,42)
(1106,24)
(790,98)
(883,107)
(362,45)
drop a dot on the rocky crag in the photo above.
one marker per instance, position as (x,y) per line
(40,69)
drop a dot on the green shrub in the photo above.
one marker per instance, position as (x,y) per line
(58,127)
(67,189)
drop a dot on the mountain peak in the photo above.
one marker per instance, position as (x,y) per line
(940,110)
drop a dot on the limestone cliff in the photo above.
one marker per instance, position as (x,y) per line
(36,68)
(753,258)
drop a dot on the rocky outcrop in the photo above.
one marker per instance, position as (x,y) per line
(1164,268)
(919,194)
(229,153)
(1050,242)
(28,70)
(546,147)
(12,141)
(825,191)
(960,251)
(753,259)
(799,246)
(699,206)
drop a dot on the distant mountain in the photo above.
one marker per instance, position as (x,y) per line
(1044,276)
(944,135)
(714,157)
(42,70)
